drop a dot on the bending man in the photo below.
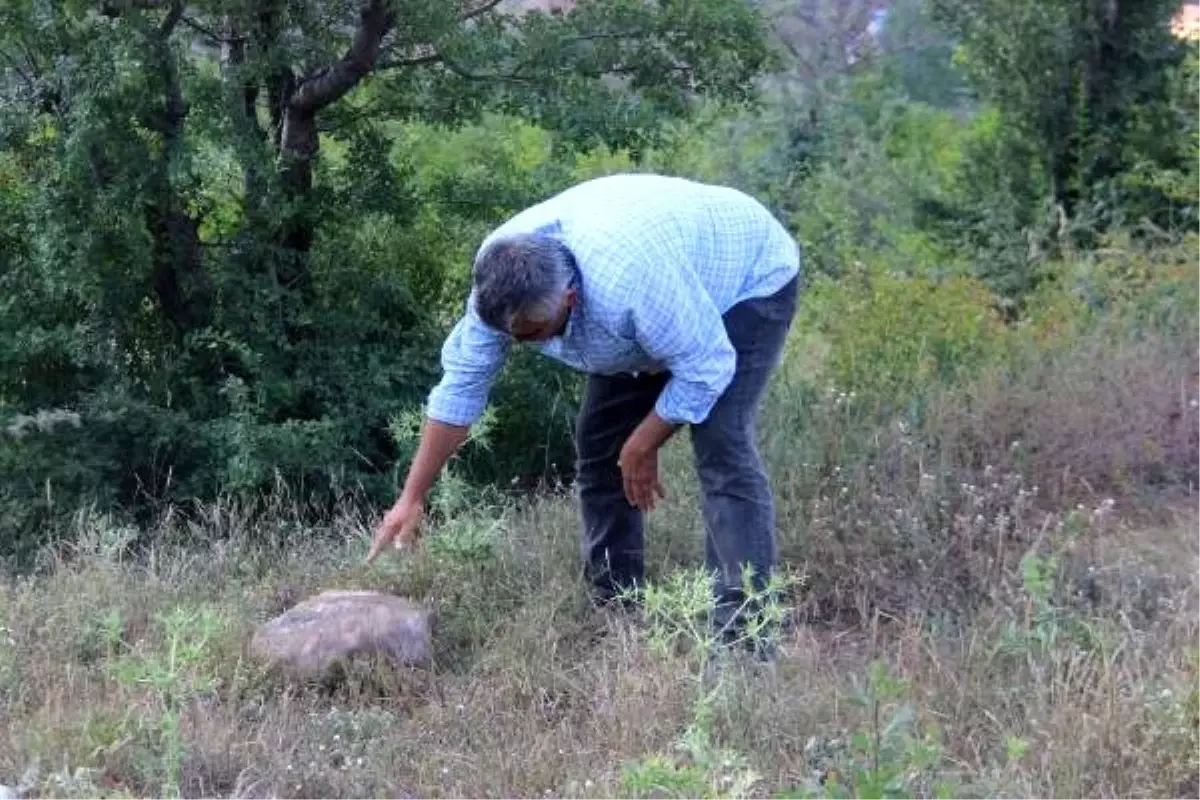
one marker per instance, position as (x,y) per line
(675,298)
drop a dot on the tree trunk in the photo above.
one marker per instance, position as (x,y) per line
(299,145)
(178,278)
(293,106)
(241,93)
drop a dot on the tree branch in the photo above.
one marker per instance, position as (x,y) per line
(331,83)
(462,72)
(28,78)
(477,9)
(169,120)
(42,93)
(212,35)
(172,19)
(421,55)
(426,54)
(233,59)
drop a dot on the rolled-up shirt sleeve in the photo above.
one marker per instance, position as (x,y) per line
(676,323)
(472,356)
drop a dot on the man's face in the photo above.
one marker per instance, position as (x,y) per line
(543,330)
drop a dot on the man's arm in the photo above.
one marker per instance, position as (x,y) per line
(439,442)
(676,323)
(650,434)
(472,357)
(401,524)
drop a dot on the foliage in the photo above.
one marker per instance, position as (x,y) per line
(886,169)
(891,338)
(678,615)
(232,235)
(1078,87)
(918,56)
(238,232)
(1166,190)
(892,756)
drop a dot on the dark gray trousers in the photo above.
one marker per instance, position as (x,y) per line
(738,508)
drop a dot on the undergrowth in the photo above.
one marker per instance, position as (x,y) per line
(988,587)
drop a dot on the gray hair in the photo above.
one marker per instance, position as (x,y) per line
(522,277)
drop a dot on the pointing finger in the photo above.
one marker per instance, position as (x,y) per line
(376,548)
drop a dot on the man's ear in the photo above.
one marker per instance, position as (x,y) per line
(572,297)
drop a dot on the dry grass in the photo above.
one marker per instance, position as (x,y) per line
(1097,419)
(1036,694)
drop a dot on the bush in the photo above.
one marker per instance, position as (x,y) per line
(890,338)
(1096,396)
(916,443)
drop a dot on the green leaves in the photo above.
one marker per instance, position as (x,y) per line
(1069,78)
(605,73)
(237,229)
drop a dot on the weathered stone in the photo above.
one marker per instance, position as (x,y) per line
(336,627)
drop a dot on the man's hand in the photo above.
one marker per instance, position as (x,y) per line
(402,523)
(401,526)
(639,462)
(639,469)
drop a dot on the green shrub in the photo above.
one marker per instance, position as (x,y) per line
(890,337)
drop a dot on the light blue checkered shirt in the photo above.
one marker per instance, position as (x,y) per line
(661,259)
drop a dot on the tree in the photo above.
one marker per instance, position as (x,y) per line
(918,55)
(828,38)
(1073,77)
(222,263)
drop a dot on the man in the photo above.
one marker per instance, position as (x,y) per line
(675,297)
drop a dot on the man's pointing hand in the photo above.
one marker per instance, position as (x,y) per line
(400,527)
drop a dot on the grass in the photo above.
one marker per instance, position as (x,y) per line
(129,679)
(1076,675)
(992,590)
